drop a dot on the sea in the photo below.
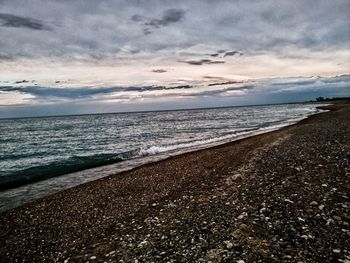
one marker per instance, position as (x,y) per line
(43,155)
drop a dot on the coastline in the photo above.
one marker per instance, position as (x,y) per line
(22,194)
(88,220)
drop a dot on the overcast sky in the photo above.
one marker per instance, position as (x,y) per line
(68,57)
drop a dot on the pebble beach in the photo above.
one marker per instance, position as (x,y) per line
(282,196)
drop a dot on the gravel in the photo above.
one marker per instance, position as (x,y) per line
(277,197)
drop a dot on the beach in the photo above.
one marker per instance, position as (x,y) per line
(282,196)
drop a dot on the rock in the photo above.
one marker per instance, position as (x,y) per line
(314,203)
(329,221)
(228,244)
(93,257)
(171,205)
(143,243)
(241,216)
(321,207)
(338,218)
(336,251)
(238,249)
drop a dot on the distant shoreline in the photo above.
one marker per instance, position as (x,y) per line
(169,110)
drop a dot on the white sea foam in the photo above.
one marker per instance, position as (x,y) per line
(153,150)
(170,148)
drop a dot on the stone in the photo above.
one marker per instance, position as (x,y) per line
(241,216)
(338,218)
(228,244)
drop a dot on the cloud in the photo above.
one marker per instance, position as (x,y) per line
(49,92)
(84,92)
(9,20)
(111,29)
(341,78)
(21,81)
(202,62)
(224,53)
(170,16)
(225,83)
(233,53)
(159,70)
(301,82)
(137,18)
(236,90)
(184,96)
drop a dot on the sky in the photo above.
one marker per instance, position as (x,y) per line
(87,56)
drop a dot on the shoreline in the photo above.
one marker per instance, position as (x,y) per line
(209,194)
(30,192)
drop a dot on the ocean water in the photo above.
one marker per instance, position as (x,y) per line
(33,150)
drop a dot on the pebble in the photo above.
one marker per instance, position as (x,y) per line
(228,244)
(262,202)
(143,243)
(338,218)
(241,216)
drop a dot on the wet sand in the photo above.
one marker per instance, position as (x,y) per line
(279,196)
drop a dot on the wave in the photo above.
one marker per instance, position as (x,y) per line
(168,148)
(79,163)
(57,168)
(266,127)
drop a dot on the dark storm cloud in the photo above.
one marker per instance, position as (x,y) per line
(70,93)
(90,29)
(83,92)
(170,16)
(137,18)
(202,62)
(223,53)
(147,31)
(214,55)
(233,53)
(9,20)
